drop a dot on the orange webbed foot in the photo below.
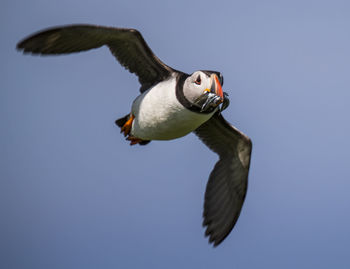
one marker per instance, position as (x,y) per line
(133,140)
(127,126)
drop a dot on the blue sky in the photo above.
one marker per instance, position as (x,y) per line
(74,194)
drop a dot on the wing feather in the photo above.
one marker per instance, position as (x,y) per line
(227,185)
(127,45)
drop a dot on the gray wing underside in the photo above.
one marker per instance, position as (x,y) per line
(127,45)
(227,185)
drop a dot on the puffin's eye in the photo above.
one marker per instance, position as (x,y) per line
(198,80)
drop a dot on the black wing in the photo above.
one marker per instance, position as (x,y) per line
(227,185)
(127,45)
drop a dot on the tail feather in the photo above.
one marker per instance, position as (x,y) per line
(120,122)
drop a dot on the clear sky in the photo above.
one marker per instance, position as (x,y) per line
(74,194)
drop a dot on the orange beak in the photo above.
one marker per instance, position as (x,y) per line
(216,87)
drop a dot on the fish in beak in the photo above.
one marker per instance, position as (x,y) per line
(212,97)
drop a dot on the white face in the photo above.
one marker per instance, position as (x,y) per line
(196,85)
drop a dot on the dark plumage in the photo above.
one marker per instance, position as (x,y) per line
(127,45)
(227,185)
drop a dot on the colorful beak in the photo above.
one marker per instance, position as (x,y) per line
(216,87)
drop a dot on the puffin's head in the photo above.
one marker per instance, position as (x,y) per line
(203,89)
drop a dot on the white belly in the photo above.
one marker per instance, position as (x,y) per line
(160,116)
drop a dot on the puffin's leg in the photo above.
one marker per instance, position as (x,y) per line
(127,125)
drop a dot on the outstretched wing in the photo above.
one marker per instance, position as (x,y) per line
(227,185)
(127,45)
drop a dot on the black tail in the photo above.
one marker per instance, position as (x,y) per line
(120,122)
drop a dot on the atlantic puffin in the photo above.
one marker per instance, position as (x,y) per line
(171,104)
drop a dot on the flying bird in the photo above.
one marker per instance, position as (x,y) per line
(170,105)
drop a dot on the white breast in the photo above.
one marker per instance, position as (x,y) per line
(160,116)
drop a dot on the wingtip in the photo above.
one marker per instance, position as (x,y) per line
(19,46)
(214,242)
